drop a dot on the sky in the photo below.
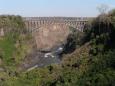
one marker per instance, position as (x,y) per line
(50,8)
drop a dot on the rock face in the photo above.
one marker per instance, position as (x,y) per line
(1,32)
(49,36)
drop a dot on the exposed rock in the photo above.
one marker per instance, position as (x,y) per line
(1,32)
(49,36)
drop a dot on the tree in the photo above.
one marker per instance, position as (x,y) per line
(103,8)
(73,40)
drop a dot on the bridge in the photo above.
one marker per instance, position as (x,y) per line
(34,23)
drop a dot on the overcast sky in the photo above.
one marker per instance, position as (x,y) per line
(72,8)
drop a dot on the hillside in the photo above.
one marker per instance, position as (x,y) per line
(14,44)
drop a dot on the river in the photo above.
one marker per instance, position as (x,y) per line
(42,58)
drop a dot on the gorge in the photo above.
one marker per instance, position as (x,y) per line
(50,35)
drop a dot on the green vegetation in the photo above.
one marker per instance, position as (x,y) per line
(14,45)
(73,40)
(14,41)
(92,64)
(7,48)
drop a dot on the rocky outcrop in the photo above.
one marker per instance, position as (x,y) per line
(1,32)
(49,36)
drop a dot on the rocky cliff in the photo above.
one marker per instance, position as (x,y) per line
(49,36)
